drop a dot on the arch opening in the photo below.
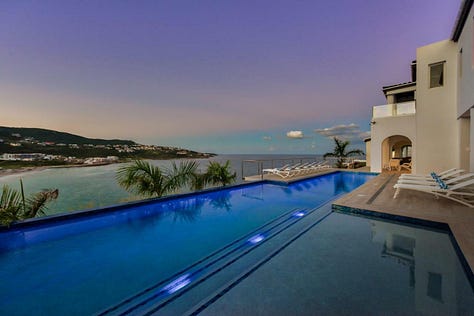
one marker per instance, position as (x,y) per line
(396,153)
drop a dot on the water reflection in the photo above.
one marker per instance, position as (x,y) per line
(434,272)
(254,193)
(221,201)
(340,186)
(186,210)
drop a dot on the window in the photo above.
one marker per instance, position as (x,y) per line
(436,75)
(406,151)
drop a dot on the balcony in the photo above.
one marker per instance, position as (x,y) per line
(396,109)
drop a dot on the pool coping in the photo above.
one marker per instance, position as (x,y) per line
(56,218)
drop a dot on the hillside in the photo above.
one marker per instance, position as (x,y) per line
(37,146)
(46,135)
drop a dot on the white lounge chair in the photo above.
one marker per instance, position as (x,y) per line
(277,171)
(320,165)
(433,181)
(443,175)
(462,192)
(285,171)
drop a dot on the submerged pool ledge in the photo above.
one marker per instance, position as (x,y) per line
(375,199)
(415,222)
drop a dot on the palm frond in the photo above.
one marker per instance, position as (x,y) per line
(218,174)
(355,152)
(10,205)
(180,175)
(141,178)
(36,205)
(13,206)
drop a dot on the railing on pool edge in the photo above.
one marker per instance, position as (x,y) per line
(260,164)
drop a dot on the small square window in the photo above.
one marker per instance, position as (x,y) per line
(436,75)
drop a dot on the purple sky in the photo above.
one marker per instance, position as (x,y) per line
(219,76)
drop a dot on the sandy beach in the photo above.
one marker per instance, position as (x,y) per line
(10,172)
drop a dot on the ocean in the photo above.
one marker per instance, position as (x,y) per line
(93,187)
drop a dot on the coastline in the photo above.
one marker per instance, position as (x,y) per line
(25,170)
(13,172)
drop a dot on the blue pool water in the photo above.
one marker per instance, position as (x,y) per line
(85,265)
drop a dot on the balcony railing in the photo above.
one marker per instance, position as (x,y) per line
(396,109)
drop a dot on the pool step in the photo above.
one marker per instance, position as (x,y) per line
(168,286)
(204,293)
(185,289)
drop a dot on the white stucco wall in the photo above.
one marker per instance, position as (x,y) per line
(367,153)
(466,65)
(466,90)
(437,127)
(464,143)
(386,127)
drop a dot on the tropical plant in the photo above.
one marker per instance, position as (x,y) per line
(143,178)
(340,152)
(217,174)
(14,206)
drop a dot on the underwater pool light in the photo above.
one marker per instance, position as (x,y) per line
(256,239)
(177,284)
(299,214)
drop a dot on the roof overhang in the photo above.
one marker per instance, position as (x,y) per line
(401,87)
(461,19)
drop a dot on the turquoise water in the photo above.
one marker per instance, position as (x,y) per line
(85,265)
(91,187)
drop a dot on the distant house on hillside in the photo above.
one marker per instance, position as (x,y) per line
(22,157)
(427,121)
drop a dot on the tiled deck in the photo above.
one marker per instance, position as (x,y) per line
(377,195)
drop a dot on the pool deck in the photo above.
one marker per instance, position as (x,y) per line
(377,195)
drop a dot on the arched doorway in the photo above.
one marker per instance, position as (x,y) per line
(396,151)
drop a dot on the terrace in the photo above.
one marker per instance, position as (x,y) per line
(394,110)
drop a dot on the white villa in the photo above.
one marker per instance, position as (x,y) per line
(428,121)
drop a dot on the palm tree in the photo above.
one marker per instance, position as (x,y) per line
(145,179)
(14,206)
(340,152)
(217,174)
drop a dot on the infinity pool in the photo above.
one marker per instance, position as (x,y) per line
(86,265)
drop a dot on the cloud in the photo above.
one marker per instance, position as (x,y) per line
(295,134)
(345,132)
(267,138)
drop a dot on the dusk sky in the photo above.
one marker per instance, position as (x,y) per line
(216,76)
